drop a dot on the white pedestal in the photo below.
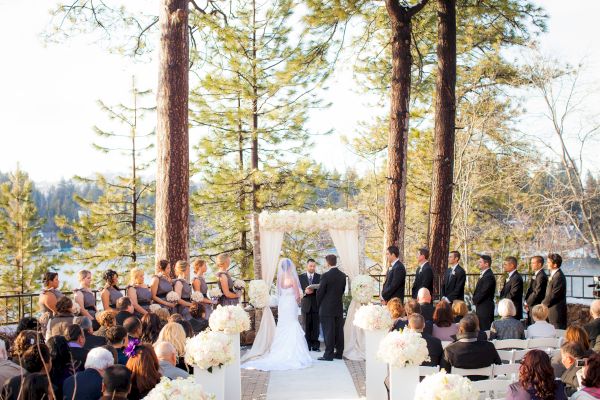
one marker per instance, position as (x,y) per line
(233,389)
(403,382)
(212,382)
(376,370)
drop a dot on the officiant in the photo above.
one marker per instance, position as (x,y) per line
(310,311)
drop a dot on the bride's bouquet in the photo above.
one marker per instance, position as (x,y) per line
(229,320)
(178,389)
(442,386)
(258,292)
(362,289)
(208,349)
(372,317)
(402,349)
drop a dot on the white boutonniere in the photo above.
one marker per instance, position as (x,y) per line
(453,273)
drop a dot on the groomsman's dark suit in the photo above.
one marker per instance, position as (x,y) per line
(394,282)
(513,290)
(556,300)
(536,292)
(423,278)
(329,300)
(483,298)
(310,310)
(453,286)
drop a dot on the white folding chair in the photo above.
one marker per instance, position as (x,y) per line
(560,333)
(492,388)
(425,371)
(487,333)
(445,343)
(506,355)
(486,371)
(544,343)
(510,344)
(508,372)
(518,355)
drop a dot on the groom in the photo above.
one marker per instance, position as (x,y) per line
(329,299)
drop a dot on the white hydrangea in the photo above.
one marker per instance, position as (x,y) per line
(173,297)
(239,284)
(372,317)
(178,389)
(214,292)
(442,386)
(208,350)
(362,288)
(197,297)
(229,320)
(154,307)
(258,293)
(401,349)
(324,219)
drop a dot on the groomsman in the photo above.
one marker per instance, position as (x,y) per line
(513,286)
(424,274)
(485,290)
(453,285)
(309,307)
(537,286)
(556,293)
(395,278)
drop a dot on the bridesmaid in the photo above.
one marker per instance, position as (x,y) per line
(161,284)
(50,294)
(229,298)
(111,293)
(199,285)
(183,288)
(85,297)
(139,293)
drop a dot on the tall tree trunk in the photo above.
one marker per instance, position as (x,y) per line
(134,197)
(440,213)
(172,179)
(254,156)
(243,233)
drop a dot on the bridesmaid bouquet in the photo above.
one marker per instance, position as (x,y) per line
(239,284)
(258,292)
(178,389)
(76,308)
(362,289)
(229,320)
(197,297)
(215,292)
(208,350)
(372,317)
(442,386)
(153,307)
(401,349)
(172,297)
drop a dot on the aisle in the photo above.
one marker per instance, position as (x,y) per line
(325,380)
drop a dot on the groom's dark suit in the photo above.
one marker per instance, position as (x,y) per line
(331,310)
(310,310)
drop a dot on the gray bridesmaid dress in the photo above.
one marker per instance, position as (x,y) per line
(225,301)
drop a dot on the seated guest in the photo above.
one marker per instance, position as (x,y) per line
(124,310)
(62,362)
(570,353)
(36,386)
(34,359)
(507,327)
(175,317)
(467,351)
(151,327)
(27,324)
(540,327)
(58,324)
(8,369)
(167,358)
(117,338)
(411,306)
(593,328)
(536,380)
(163,314)
(198,321)
(116,383)
(459,310)
(87,384)
(133,327)
(106,319)
(91,340)
(76,344)
(396,309)
(174,333)
(187,328)
(145,371)
(424,300)
(416,323)
(590,381)
(112,351)
(574,334)
(23,341)
(443,326)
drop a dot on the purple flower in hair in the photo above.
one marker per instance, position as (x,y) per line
(131,349)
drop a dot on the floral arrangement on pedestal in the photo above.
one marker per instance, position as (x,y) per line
(229,320)
(197,297)
(309,221)
(178,389)
(442,386)
(208,350)
(362,289)
(258,293)
(173,297)
(214,292)
(403,348)
(372,317)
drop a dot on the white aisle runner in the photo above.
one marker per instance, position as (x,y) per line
(325,380)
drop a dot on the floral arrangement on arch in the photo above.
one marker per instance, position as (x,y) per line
(258,293)
(362,289)
(372,317)
(178,389)
(208,350)
(320,220)
(442,386)
(229,320)
(402,349)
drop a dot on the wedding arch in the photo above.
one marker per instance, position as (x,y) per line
(343,227)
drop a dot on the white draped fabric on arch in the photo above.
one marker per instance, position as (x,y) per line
(343,227)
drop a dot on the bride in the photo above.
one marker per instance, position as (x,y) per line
(288,350)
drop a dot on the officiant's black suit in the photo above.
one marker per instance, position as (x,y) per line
(310,311)
(331,310)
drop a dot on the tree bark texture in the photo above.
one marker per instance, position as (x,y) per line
(172,179)
(440,213)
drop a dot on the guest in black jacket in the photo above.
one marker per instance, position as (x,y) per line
(485,290)
(513,286)
(125,309)
(395,279)
(424,273)
(416,323)
(556,293)
(87,384)
(453,285)
(467,351)
(76,341)
(537,286)
(424,300)
(593,328)
(63,365)
(91,341)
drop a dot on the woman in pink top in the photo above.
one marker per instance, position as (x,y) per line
(443,322)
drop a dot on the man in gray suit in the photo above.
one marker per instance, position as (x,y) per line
(167,359)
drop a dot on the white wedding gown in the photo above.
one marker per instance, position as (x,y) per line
(289,349)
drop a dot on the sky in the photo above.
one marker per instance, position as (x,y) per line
(49,92)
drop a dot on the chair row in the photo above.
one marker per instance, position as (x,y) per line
(509,372)
(537,343)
